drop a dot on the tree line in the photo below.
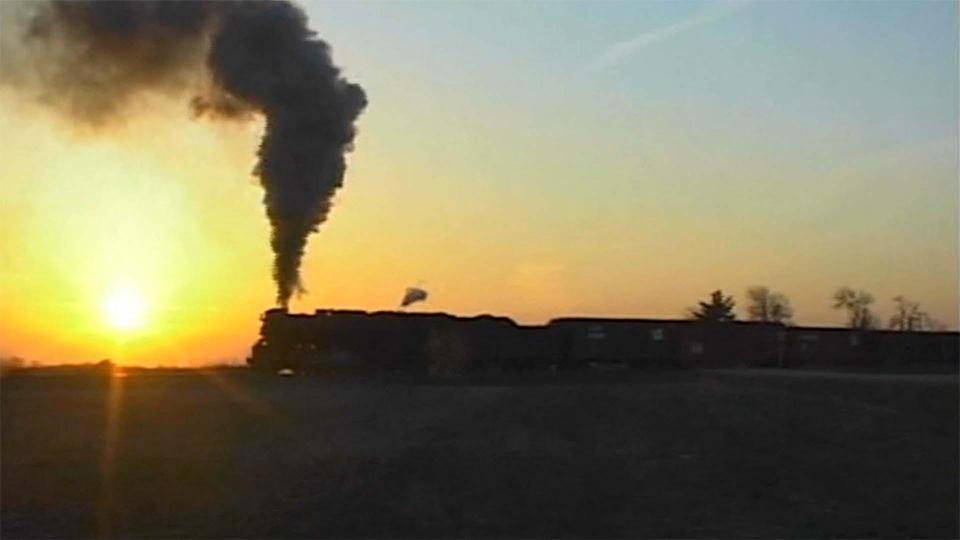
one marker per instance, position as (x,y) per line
(765,305)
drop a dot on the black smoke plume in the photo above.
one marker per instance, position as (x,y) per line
(242,58)
(413,295)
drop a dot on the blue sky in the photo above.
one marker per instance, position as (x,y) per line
(825,130)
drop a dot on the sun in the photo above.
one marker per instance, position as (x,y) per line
(124,309)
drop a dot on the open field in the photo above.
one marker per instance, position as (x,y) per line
(637,454)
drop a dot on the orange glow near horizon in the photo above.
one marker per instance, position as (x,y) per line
(130,235)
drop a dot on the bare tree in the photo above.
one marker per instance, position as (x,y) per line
(718,309)
(768,306)
(857,305)
(908,317)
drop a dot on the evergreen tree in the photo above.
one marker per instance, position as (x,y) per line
(718,309)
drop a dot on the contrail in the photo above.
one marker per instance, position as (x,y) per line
(621,50)
(246,57)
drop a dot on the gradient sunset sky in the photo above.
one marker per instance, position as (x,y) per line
(530,159)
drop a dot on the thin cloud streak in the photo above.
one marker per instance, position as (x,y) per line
(619,51)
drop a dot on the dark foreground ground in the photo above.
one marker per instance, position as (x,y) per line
(694,454)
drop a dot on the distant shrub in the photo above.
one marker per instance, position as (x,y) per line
(105,364)
(11,363)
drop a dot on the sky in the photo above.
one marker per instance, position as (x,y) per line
(529,159)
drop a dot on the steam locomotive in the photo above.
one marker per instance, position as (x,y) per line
(358,341)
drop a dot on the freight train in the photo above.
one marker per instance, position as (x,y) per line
(358,341)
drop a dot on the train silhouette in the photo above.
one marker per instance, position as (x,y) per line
(359,341)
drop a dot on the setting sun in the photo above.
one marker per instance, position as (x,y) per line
(123,308)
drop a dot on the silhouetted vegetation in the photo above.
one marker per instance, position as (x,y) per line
(11,363)
(857,305)
(908,317)
(768,306)
(718,309)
